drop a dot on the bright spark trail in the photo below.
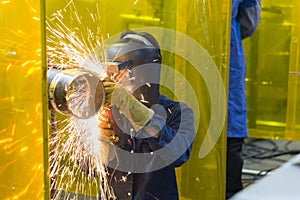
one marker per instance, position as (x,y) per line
(77,157)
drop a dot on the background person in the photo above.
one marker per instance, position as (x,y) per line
(244,21)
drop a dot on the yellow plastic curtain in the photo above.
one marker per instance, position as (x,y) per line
(23,103)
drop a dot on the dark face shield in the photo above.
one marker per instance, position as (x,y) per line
(142,64)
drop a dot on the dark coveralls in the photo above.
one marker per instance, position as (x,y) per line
(147,181)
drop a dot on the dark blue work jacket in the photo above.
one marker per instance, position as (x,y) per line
(144,167)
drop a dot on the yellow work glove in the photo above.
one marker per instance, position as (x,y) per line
(106,128)
(136,112)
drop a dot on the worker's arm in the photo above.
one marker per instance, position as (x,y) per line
(171,133)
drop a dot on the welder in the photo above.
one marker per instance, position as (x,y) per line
(149,134)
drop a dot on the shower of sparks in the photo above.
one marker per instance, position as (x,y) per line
(77,157)
(71,47)
(79,99)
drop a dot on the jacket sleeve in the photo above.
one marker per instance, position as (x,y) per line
(249,17)
(176,134)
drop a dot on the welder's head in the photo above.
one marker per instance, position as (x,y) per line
(138,48)
(139,54)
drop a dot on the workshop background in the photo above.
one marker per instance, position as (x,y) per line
(273,89)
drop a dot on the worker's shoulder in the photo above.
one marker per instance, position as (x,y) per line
(169,103)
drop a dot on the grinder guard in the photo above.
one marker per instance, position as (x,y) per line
(75,92)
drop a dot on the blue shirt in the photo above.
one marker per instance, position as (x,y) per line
(175,121)
(244,21)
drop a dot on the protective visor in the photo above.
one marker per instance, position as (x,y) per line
(114,67)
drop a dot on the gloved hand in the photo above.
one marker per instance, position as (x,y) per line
(106,128)
(136,112)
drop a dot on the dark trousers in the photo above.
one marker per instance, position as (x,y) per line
(234,166)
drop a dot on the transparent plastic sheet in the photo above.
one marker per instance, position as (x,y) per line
(272,81)
(185,29)
(208,23)
(194,39)
(272,56)
(23,130)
